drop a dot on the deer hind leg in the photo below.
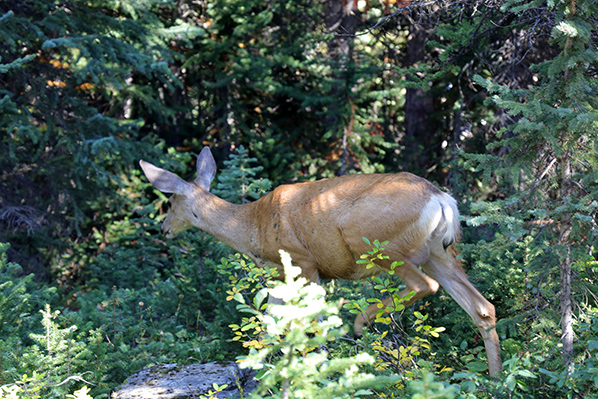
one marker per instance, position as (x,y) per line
(414,279)
(448,272)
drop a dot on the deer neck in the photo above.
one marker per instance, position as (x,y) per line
(228,222)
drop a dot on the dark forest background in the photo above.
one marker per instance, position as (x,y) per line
(496,101)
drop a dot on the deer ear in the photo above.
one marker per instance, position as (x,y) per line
(163,180)
(206,168)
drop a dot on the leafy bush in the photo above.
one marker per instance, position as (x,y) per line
(292,361)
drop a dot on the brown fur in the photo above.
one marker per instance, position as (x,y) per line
(321,225)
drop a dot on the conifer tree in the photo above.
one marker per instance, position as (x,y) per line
(264,79)
(238,183)
(71,79)
(548,164)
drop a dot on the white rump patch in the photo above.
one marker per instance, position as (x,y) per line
(440,217)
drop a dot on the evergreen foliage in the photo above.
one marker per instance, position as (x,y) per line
(547,170)
(238,183)
(506,95)
(66,141)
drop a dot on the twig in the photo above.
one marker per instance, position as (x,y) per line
(75,377)
(550,165)
(371,28)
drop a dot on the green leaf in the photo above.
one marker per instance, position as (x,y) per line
(259,298)
(511,382)
(525,373)
(239,298)
(477,366)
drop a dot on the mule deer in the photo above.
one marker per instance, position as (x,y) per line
(321,225)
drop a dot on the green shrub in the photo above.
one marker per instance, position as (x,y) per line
(292,361)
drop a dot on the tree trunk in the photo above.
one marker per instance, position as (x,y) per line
(341,19)
(565,295)
(420,127)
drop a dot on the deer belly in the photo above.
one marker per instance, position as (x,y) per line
(350,271)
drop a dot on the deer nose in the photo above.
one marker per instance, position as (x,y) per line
(166,231)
